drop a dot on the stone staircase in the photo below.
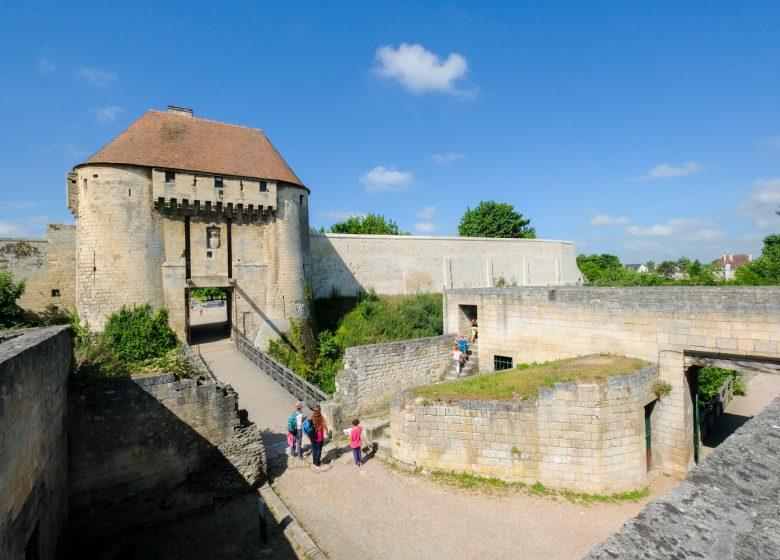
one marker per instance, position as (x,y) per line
(470,368)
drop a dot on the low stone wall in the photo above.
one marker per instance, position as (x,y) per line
(727,507)
(582,436)
(149,449)
(34,366)
(376,373)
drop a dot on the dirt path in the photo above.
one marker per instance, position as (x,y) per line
(380,513)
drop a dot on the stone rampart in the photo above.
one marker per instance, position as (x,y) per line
(47,265)
(399,264)
(727,508)
(375,373)
(581,436)
(34,366)
(150,449)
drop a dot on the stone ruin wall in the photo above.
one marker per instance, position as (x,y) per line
(659,325)
(34,367)
(374,374)
(47,265)
(580,436)
(148,449)
(400,264)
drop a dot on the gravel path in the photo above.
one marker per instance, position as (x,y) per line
(381,513)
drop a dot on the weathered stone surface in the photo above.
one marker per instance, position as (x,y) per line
(34,366)
(728,507)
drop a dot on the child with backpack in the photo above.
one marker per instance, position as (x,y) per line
(355,442)
(294,431)
(319,431)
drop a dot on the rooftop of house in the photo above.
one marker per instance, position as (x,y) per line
(178,141)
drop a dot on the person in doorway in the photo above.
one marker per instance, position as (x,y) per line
(355,442)
(473,324)
(295,428)
(457,357)
(320,431)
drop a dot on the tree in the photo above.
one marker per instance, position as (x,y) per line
(667,269)
(594,267)
(370,224)
(10,291)
(495,219)
(765,270)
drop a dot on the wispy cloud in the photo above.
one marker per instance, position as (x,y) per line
(381,179)
(18,205)
(45,65)
(31,227)
(774,142)
(763,200)
(424,227)
(74,151)
(108,114)
(427,213)
(667,171)
(602,220)
(683,229)
(419,70)
(446,157)
(97,78)
(340,215)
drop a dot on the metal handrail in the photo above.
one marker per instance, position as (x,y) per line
(284,376)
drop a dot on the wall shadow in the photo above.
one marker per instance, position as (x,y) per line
(330,274)
(144,484)
(726,425)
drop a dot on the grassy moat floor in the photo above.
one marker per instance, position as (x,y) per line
(524,382)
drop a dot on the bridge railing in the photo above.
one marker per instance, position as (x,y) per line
(284,376)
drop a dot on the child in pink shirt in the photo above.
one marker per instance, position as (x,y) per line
(355,442)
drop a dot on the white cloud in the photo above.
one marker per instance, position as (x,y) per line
(424,227)
(419,70)
(108,114)
(427,213)
(667,171)
(341,215)
(98,78)
(657,230)
(31,227)
(381,179)
(446,157)
(680,229)
(762,202)
(74,151)
(45,65)
(18,205)
(607,221)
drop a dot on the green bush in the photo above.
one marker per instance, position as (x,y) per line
(711,379)
(10,291)
(136,335)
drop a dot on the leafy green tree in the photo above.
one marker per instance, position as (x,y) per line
(205,294)
(10,291)
(495,219)
(594,266)
(136,335)
(370,224)
(667,269)
(765,270)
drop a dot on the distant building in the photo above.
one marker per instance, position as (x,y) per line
(730,263)
(641,268)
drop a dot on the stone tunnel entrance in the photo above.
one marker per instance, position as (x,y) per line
(209,314)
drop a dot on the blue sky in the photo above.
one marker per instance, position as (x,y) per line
(649,130)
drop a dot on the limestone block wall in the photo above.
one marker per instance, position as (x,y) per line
(392,264)
(374,374)
(34,367)
(120,242)
(145,450)
(48,265)
(581,436)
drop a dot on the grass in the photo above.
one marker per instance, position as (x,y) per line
(475,482)
(524,382)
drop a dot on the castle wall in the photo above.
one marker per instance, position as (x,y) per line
(661,325)
(580,436)
(120,242)
(34,367)
(47,265)
(397,264)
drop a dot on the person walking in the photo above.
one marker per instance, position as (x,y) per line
(457,357)
(355,442)
(320,431)
(474,330)
(295,428)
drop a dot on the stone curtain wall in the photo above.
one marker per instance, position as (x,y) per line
(46,264)
(584,437)
(149,449)
(34,366)
(659,325)
(392,264)
(727,508)
(374,374)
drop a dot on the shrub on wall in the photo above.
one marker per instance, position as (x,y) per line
(136,335)
(10,291)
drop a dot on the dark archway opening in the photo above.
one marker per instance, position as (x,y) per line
(210,312)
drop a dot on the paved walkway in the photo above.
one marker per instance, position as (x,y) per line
(267,404)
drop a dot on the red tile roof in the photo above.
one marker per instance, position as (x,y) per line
(175,141)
